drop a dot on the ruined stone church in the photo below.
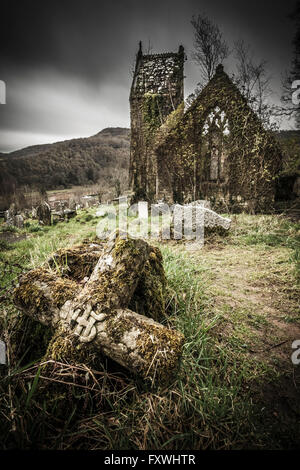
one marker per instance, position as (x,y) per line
(217,149)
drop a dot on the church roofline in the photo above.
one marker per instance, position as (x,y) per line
(220,74)
(140,58)
(159,55)
(163,55)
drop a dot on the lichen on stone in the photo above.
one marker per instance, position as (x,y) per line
(92,318)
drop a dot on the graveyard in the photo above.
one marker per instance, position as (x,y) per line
(232,305)
(149,229)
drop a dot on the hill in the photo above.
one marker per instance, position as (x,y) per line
(101,158)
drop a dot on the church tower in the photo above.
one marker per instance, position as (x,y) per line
(156,91)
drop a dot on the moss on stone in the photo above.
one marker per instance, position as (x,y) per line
(67,348)
(149,296)
(76,262)
(151,114)
(159,348)
(112,288)
(132,271)
(160,364)
(32,295)
(175,157)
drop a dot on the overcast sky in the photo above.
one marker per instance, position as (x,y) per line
(67,64)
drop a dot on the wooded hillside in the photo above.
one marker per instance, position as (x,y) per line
(102,157)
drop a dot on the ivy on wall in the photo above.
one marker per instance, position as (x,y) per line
(152,114)
(254,156)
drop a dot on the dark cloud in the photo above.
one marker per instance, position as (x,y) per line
(73,37)
(67,63)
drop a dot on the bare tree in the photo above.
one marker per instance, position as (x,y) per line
(210,47)
(254,83)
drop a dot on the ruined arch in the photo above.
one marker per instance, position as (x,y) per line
(215,133)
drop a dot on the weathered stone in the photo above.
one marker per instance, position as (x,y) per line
(101,212)
(200,203)
(9,215)
(77,262)
(89,201)
(33,213)
(157,89)
(18,221)
(97,312)
(216,149)
(26,213)
(12,210)
(43,212)
(69,213)
(209,218)
(12,218)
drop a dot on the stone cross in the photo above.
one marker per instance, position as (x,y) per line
(96,309)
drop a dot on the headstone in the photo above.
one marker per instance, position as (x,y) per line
(69,213)
(33,213)
(296,187)
(12,218)
(200,203)
(210,218)
(18,221)
(143,209)
(44,213)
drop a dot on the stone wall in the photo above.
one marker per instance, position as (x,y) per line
(219,151)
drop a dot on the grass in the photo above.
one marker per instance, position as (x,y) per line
(235,300)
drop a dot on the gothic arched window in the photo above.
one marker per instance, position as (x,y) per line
(216,118)
(215,129)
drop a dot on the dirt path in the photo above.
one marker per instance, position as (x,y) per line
(254,294)
(253,287)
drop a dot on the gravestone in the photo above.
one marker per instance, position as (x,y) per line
(18,221)
(100,306)
(200,203)
(10,214)
(12,217)
(43,213)
(209,218)
(33,213)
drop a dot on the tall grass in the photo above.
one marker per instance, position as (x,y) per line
(208,405)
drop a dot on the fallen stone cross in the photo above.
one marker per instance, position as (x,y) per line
(92,305)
